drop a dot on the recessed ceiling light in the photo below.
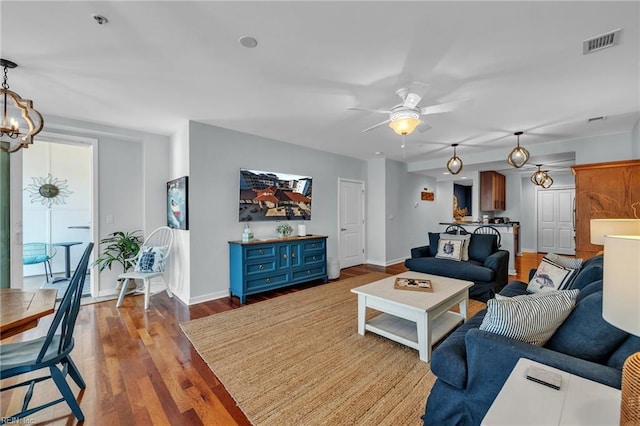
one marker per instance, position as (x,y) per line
(101,20)
(463,177)
(248,41)
(446,173)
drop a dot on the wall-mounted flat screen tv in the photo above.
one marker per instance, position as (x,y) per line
(271,196)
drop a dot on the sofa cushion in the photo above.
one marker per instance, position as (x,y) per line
(470,271)
(630,346)
(514,288)
(449,360)
(591,271)
(449,249)
(585,334)
(434,237)
(482,246)
(530,318)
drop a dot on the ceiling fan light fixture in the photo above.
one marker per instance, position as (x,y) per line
(519,156)
(454,165)
(404,122)
(20,121)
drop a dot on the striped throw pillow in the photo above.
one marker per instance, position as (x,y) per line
(530,318)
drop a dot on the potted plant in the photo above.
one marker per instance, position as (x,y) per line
(284,230)
(119,247)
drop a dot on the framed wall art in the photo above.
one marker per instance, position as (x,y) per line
(178,203)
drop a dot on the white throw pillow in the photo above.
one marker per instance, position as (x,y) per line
(549,277)
(572,263)
(530,318)
(465,243)
(151,259)
(449,249)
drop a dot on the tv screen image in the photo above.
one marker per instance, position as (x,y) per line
(271,196)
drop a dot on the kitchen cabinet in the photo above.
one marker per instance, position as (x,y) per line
(259,266)
(492,191)
(604,191)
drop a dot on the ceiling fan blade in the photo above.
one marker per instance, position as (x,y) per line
(382,111)
(440,108)
(415,94)
(377,125)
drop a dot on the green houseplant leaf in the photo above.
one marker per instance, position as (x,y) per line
(118,247)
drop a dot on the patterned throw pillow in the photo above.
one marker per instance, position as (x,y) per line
(575,264)
(530,318)
(449,249)
(549,276)
(465,243)
(151,259)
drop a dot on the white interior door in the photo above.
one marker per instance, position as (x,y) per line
(555,221)
(351,222)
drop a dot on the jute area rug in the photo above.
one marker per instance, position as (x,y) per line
(299,360)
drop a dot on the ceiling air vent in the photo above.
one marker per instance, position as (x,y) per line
(601,42)
(599,118)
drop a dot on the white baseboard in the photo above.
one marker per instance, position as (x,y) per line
(208,297)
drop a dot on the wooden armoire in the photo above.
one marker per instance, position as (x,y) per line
(604,191)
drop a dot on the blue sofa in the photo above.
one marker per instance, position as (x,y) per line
(471,365)
(487,267)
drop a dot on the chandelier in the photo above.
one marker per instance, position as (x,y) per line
(20,121)
(541,177)
(518,156)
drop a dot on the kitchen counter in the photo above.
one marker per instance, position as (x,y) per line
(510,224)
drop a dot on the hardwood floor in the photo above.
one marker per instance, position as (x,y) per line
(141,369)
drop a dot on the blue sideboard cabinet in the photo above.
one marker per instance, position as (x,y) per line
(264,265)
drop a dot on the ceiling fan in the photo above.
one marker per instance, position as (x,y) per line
(405,117)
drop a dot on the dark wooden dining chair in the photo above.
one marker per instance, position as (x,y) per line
(52,352)
(456,229)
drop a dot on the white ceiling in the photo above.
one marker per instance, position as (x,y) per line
(518,66)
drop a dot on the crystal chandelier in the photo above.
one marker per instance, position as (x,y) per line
(20,121)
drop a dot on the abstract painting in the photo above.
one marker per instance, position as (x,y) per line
(178,203)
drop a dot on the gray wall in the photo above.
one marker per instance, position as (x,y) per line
(215,158)
(376,212)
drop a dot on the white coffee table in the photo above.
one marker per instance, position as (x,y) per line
(416,319)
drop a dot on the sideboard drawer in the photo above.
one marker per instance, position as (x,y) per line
(313,258)
(260,252)
(313,245)
(259,268)
(270,281)
(309,273)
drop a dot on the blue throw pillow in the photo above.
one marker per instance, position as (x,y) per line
(585,334)
(151,259)
(434,239)
(482,246)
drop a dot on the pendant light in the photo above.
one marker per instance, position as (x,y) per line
(20,122)
(541,177)
(454,165)
(519,156)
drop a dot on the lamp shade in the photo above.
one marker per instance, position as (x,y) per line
(405,125)
(621,285)
(602,227)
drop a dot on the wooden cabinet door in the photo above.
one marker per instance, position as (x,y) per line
(604,191)
(492,191)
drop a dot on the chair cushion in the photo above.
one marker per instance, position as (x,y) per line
(585,334)
(531,318)
(151,259)
(30,260)
(482,246)
(19,354)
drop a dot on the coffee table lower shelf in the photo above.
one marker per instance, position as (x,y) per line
(405,331)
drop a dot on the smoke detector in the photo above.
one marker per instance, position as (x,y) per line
(601,42)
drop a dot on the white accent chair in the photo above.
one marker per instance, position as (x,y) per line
(158,243)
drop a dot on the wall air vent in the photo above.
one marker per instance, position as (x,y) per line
(599,118)
(601,42)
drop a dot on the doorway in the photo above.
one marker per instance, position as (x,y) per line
(556,227)
(350,222)
(58,205)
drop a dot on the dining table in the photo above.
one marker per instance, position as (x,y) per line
(20,309)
